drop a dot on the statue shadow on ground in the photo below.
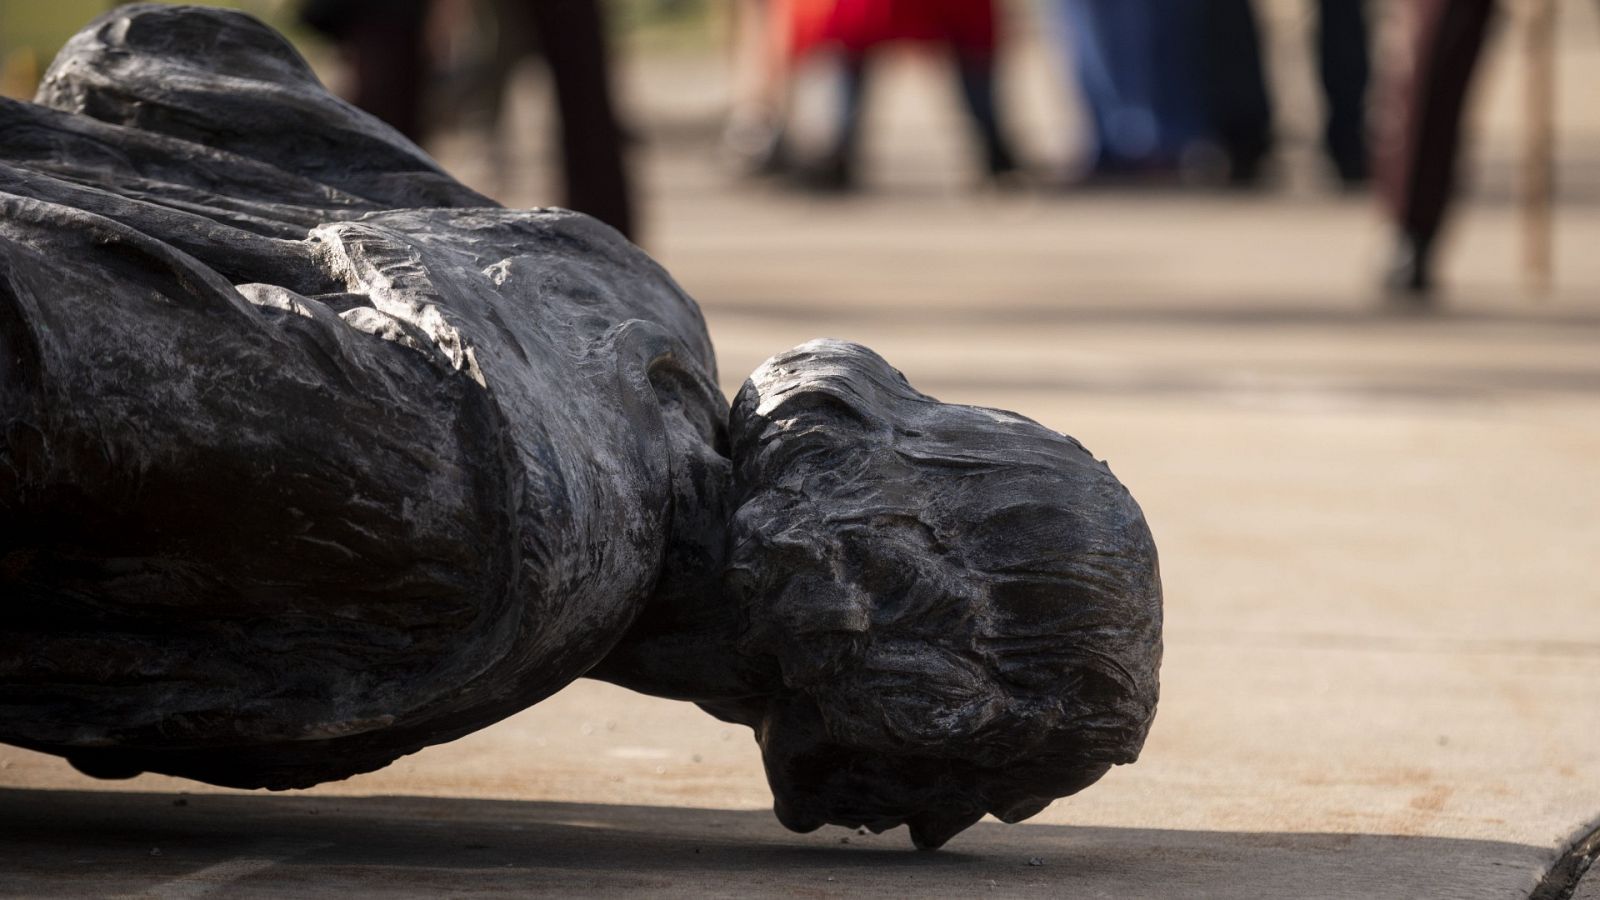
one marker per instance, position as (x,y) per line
(97,843)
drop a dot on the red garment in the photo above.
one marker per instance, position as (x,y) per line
(808,24)
(859,25)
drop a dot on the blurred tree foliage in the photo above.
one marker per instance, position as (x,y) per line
(670,25)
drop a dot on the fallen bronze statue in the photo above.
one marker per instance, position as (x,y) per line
(313,457)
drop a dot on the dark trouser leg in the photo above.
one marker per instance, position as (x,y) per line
(1419,173)
(390,68)
(1241,110)
(1084,30)
(1343,56)
(572,34)
(837,170)
(977,89)
(1177,76)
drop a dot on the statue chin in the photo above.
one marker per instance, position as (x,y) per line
(311,457)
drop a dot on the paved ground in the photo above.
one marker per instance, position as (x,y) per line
(1378,538)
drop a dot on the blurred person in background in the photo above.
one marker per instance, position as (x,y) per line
(770,39)
(1417,168)
(1241,104)
(573,40)
(384,42)
(856,29)
(1138,66)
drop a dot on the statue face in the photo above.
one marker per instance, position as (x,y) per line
(963,603)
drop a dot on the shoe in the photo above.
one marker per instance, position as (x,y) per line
(999,161)
(1408,279)
(755,149)
(1353,177)
(834,174)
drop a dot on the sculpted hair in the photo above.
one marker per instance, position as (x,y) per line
(957,583)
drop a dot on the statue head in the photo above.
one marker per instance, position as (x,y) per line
(965,606)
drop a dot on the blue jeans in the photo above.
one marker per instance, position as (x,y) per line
(1139,69)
